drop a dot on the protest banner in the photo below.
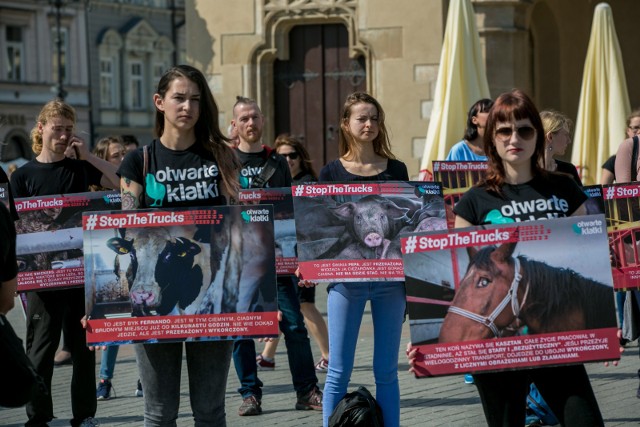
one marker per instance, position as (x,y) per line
(284,224)
(456,179)
(49,241)
(510,296)
(4,195)
(349,232)
(622,208)
(180,274)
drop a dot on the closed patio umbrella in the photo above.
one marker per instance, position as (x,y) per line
(604,100)
(462,80)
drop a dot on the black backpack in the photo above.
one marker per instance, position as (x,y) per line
(358,408)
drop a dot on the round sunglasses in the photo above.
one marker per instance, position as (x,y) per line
(524,132)
(293,155)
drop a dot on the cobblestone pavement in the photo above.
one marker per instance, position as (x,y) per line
(442,401)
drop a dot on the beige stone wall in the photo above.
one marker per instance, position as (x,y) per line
(536,45)
(234,43)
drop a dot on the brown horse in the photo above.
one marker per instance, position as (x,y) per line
(491,301)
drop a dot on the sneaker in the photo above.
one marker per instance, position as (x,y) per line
(468,379)
(89,422)
(311,400)
(265,364)
(322,365)
(250,406)
(103,392)
(63,357)
(138,392)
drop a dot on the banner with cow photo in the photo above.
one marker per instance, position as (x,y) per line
(622,207)
(180,274)
(49,241)
(510,296)
(456,179)
(349,232)
(284,224)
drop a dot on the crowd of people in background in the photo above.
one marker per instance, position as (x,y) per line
(519,144)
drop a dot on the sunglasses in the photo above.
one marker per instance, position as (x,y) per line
(524,132)
(293,155)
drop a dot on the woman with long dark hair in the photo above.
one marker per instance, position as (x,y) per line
(188,136)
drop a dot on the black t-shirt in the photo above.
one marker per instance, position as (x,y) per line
(569,169)
(334,171)
(175,178)
(610,165)
(4,179)
(8,265)
(252,164)
(64,177)
(541,198)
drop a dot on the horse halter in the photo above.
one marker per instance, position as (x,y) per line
(512,296)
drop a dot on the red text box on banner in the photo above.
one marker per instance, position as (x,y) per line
(517,352)
(178,328)
(352,270)
(45,279)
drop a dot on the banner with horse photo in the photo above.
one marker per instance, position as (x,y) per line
(49,243)
(349,232)
(510,296)
(284,224)
(456,179)
(180,274)
(622,207)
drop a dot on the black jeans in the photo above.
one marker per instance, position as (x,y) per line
(566,389)
(296,339)
(48,313)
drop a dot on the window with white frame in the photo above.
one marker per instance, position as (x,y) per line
(107,83)
(62,67)
(14,53)
(136,84)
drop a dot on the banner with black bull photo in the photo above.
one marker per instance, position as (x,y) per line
(349,232)
(284,224)
(510,296)
(49,242)
(456,179)
(180,274)
(622,207)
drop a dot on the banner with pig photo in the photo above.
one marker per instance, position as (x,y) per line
(49,241)
(349,232)
(180,274)
(510,296)
(284,224)
(622,207)
(456,179)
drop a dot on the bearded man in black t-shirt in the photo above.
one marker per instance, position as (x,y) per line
(51,311)
(248,121)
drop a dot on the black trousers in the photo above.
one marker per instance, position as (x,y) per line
(48,313)
(566,389)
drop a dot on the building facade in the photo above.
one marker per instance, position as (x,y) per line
(111,54)
(30,66)
(299,58)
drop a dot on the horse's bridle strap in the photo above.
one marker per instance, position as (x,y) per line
(511,296)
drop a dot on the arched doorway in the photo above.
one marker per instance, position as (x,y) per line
(310,87)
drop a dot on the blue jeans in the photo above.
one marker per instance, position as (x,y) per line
(345,308)
(296,339)
(160,368)
(108,362)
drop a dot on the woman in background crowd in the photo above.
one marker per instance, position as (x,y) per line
(302,171)
(557,137)
(471,147)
